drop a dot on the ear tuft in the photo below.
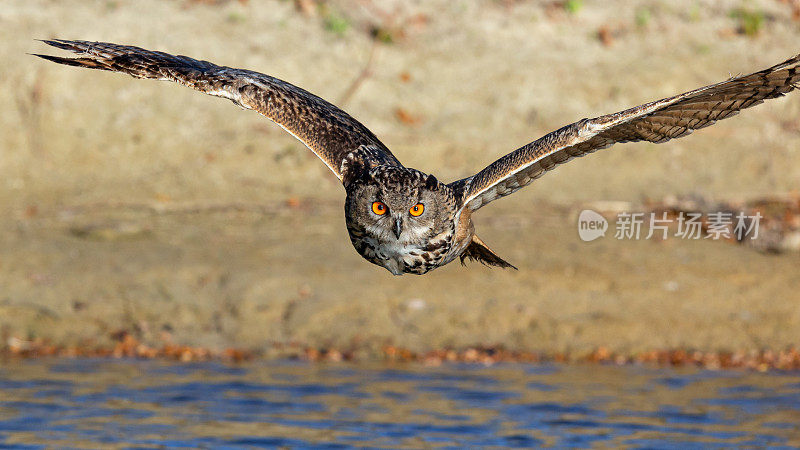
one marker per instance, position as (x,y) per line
(431,182)
(352,168)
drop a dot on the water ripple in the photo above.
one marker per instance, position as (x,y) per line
(146,404)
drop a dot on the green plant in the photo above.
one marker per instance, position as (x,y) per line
(573,6)
(694,12)
(236,17)
(643,17)
(335,22)
(749,21)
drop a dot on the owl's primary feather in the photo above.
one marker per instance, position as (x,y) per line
(392,237)
(657,122)
(325,129)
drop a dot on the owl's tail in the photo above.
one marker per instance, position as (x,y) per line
(477,250)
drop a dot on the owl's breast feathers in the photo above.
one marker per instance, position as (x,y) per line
(402,257)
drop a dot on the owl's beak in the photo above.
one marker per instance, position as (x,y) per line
(398,226)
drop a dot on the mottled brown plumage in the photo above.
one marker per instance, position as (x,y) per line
(657,122)
(325,129)
(395,239)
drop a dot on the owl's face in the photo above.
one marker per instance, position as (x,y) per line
(394,214)
(399,204)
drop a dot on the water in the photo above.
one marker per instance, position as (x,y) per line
(147,404)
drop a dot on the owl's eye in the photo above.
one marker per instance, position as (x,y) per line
(417,209)
(378,208)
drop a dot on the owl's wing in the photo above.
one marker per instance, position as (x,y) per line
(657,122)
(325,129)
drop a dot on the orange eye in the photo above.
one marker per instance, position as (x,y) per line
(417,209)
(378,208)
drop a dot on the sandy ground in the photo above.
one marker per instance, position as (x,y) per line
(108,187)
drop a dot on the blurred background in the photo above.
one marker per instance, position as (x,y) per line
(136,216)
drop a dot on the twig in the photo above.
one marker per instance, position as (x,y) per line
(29,103)
(385,17)
(365,73)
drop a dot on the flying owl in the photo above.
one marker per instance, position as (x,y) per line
(403,219)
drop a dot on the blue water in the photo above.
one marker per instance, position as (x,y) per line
(151,404)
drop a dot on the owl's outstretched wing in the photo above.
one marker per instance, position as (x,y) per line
(325,129)
(657,122)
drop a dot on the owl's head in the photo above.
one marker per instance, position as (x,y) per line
(399,204)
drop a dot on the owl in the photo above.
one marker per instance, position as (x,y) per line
(403,219)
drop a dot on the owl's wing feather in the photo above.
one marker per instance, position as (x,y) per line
(325,129)
(657,122)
